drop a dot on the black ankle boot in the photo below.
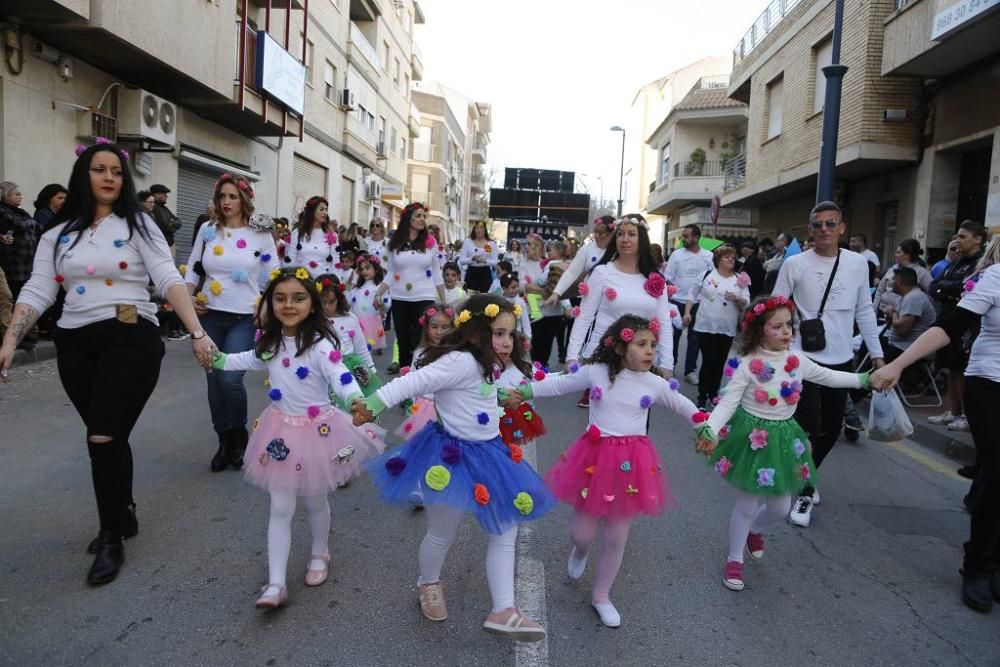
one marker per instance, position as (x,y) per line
(109,559)
(239,438)
(976,591)
(130,528)
(221,459)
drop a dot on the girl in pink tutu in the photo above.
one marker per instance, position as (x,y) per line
(365,303)
(301,445)
(613,472)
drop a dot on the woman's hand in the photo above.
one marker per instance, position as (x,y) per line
(885,378)
(731,296)
(664,372)
(6,359)
(551,301)
(200,303)
(204,348)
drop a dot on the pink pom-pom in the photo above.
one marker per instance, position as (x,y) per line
(699,417)
(610,294)
(286,362)
(654,326)
(539,375)
(743,280)
(583,289)
(671,291)
(331,238)
(756,366)
(760,395)
(728,372)
(593,432)
(407,427)
(431,242)
(336,356)
(313,411)
(405,370)
(527,280)
(575,312)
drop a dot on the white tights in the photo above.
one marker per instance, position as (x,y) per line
(442,525)
(753,514)
(583,531)
(279,530)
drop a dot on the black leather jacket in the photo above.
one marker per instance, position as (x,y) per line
(947,288)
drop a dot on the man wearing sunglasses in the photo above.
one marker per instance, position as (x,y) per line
(830,285)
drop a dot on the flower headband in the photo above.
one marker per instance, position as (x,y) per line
(241,183)
(774,303)
(632,220)
(627,334)
(297,271)
(326,282)
(490,311)
(431,312)
(100,141)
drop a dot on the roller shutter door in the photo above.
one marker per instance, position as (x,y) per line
(309,180)
(195,187)
(346,202)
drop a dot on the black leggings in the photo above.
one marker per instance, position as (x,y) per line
(982,551)
(405,315)
(821,414)
(714,348)
(544,332)
(109,370)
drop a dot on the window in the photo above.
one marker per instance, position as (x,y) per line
(665,164)
(330,81)
(385,54)
(381,131)
(406,84)
(307,60)
(422,146)
(402,149)
(395,75)
(774,107)
(822,56)
(393,140)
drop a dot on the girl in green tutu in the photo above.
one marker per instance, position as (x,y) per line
(762,450)
(357,355)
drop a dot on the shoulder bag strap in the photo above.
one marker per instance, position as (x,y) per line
(829,284)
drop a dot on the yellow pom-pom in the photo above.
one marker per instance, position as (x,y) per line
(274,274)
(183,269)
(492,310)
(517,310)
(524,503)
(202,298)
(218,250)
(302,274)
(437,477)
(215,287)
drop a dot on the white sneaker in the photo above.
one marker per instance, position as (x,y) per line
(960,423)
(576,567)
(942,419)
(691,378)
(815,497)
(801,512)
(609,615)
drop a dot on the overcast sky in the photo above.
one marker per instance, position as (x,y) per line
(560,73)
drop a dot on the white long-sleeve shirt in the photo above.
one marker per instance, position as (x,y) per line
(803,278)
(716,314)
(470,249)
(764,399)
(585,260)
(685,269)
(630,298)
(362,299)
(352,338)
(532,273)
(316,251)
(299,383)
(377,248)
(465,403)
(237,264)
(104,270)
(618,408)
(413,275)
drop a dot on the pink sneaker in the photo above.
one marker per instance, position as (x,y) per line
(755,545)
(733,577)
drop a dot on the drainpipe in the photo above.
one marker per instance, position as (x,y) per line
(834,73)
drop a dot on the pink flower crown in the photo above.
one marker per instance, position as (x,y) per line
(632,220)
(100,141)
(764,307)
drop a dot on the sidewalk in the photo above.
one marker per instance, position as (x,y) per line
(44,350)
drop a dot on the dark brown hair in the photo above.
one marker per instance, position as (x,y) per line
(751,338)
(331,282)
(376,264)
(312,330)
(610,350)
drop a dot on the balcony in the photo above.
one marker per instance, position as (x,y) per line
(477,184)
(479,153)
(32,11)
(417,63)
(364,10)
(362,54)
(762,27)
(689,183)
(413,124)
(217,79)
(934,39)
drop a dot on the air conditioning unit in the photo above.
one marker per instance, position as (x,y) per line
(347,100)
(380,148)
(373,190)
(144,116)
(91,124)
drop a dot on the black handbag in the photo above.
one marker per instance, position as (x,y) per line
(812,331)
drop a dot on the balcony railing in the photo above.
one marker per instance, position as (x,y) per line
(735,173)
(713,82)
(707,169)
(364,46)
(765,23)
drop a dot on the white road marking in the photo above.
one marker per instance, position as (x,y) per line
(529,586)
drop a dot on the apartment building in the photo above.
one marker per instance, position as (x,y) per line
(917,147)
(447,157)
(703,132)
(650,105)
(300,98)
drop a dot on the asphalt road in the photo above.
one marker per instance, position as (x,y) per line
(874,581)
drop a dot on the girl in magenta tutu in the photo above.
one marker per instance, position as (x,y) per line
(762,450)
(366,304)
(613,472)
(435,325)
(301,445)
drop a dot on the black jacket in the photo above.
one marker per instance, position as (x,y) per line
(755,269)
(947,288)
(166,221)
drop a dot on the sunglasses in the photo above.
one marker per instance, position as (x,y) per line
(820,224)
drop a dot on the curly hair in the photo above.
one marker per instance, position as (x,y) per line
(474,335)
(245,190)
(314,328)
(611,348)
(750,339)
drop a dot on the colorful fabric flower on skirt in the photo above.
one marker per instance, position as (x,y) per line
(758,439)
(277,450)
(722,466)
(765,477)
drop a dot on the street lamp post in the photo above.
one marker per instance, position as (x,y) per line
(621,172)
(831,111)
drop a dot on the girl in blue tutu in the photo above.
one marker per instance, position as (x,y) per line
(762,450)
(460,463)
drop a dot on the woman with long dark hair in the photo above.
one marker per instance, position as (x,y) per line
(230,263)
(625,282)
(48,202)
(313,240)
(413,279)
(104,251)
(479,258)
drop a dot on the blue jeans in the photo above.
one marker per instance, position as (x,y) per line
(227,396)
(691,354)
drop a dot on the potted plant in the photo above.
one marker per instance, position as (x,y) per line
(696,167)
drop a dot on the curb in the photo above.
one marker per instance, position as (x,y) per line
(955,446)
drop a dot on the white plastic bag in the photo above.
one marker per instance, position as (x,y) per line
(887,420)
